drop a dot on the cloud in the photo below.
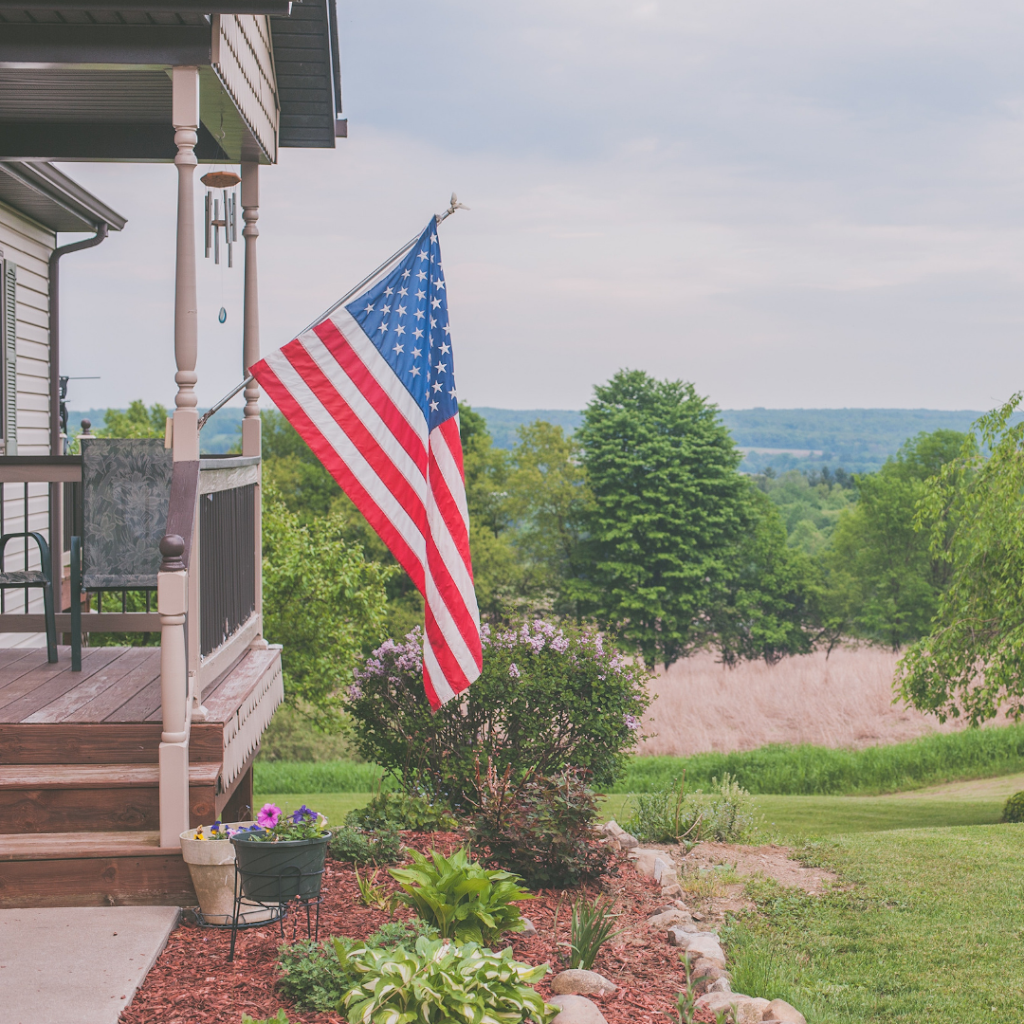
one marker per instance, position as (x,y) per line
(789,203)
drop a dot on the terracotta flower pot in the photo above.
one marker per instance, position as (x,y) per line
(211,863)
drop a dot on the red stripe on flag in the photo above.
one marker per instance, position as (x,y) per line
(348,359)
(338,469)
(356,431)
(446,660)
(450,513)
(453,599)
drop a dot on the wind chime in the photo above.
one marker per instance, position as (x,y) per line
(222,180)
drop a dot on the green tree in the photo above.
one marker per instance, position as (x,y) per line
(135,421)
(548,497)
(972,661)
(766,608)
(884,582)
(668,505)
(323,600)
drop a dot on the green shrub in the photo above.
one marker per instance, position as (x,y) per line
(547,698)
(541,828)
(383,846)
(1014,808)
(725,815)
(313,975)
(442,981)
(460,898)
(403,811)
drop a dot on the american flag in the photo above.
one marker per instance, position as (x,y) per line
(371,390)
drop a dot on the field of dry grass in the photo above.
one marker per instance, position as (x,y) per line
(842,701)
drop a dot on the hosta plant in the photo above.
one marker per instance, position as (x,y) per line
(441,982)
(464,901)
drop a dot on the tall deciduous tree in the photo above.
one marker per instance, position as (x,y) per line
(765,609)
(884,582)
(972,661)
(668,506)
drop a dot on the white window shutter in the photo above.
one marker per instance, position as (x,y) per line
(10,368)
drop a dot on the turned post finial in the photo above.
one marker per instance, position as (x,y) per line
(172,547)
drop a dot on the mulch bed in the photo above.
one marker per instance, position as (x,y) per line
(193,983)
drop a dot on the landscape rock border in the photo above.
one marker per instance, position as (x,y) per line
(702,948)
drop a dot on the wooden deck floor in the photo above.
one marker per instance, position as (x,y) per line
(116,685)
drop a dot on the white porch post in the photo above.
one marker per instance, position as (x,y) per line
(174,581)
(185,106)
(172,602)
(252,436)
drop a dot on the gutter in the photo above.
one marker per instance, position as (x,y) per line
(86,243)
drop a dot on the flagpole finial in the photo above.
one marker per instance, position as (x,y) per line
(455,205)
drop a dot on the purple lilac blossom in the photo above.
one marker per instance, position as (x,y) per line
(632,722)
(513,671)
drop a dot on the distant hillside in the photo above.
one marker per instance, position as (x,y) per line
(859,440)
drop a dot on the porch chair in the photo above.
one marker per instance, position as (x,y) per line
(126,490)
(30,578)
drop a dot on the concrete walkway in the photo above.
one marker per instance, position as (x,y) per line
(77,965)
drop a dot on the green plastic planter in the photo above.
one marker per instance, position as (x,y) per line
(281,871)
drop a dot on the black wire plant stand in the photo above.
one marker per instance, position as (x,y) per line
(276,887)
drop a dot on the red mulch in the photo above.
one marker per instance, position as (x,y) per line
(193,983)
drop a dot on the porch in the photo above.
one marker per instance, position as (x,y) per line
(80,776)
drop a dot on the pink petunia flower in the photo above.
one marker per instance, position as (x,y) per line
(267,818)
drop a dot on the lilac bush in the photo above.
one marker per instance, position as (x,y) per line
(550,697)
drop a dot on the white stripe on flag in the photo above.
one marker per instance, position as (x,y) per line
(351,456)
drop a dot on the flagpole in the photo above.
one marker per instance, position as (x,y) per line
(351,293)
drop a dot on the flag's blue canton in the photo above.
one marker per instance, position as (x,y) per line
(406,317)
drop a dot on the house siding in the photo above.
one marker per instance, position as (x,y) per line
(28,245)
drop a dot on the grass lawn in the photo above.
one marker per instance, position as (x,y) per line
(927,926)
(334,805)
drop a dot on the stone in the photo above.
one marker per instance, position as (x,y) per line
(628,842)
(672,890)
(779,1009)
(704,943)
(721,985)
(581,983)
(612,828)
(576,1010)
(529,928)
(664,919)
(737,1008)
(663,867)
(644,860)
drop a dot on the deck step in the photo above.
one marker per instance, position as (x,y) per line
(94,798)
(97,776)
(76,869)
(70,845)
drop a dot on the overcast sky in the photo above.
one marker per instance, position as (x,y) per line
(788,203)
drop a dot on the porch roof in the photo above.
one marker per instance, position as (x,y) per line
(52,199)
(87,80)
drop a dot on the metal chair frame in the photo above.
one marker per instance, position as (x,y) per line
(46,584)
